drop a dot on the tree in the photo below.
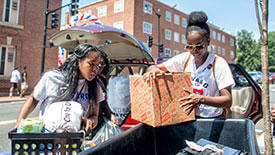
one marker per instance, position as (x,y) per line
(263,28)
(271,51)
(248,51)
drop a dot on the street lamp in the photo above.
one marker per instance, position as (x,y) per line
(159,15)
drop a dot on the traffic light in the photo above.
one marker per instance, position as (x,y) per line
(160,48)
(150,41)
(74,7)
(54,20)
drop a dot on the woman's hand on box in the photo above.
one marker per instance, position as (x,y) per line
(191,101)
(155,70)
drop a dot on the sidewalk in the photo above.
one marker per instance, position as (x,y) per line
(7,99)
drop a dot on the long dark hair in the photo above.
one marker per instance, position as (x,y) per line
(196,21)
(71,72)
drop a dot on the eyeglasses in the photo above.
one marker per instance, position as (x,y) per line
(97,66)
(192,47)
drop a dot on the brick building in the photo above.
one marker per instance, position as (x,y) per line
(21,39)
(138,17)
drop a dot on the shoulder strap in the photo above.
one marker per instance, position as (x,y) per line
(214,63)
(186,63)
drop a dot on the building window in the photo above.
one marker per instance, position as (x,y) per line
(232,55)
(183,39)
(219,37)
(147,7)
(168,52)
(147,28)
(214,48)
(146,45)
(223,38)
(183,22)
(231,42)
(168,16)
(214,35)
(167,34)
(209,48)
(176,52)
(102,11)
(223,51)
(6,60)
(219,50)
(119,6)
(11,11)
(176,37)
(177,19)
(118,25)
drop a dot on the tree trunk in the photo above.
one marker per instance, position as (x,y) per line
(265,82)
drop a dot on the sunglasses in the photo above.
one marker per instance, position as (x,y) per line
(192,47)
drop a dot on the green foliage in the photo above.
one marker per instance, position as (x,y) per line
(271,51)
(248,51)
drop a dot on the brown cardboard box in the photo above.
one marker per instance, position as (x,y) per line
(154,102)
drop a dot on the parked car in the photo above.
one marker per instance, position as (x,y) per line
(272,78)
(129,56)
(256,75)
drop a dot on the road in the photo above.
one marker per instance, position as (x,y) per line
(9,113)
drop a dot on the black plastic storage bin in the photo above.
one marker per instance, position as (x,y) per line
(169,140)
(45,143)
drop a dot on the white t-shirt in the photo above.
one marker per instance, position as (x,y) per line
(47,90)
(203,80)
(15,76)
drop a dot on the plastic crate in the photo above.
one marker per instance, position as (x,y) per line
(45,143)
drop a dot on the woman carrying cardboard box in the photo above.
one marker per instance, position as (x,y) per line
(211,76)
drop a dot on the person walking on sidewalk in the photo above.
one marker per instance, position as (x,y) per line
(24,84)
(14,80)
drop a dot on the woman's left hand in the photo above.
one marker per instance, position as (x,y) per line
(90,124)
(191,101)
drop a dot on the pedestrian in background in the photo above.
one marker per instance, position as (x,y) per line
(24,84)
(14,80)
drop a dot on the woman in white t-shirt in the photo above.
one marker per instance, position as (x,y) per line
(211,76)
(77,79)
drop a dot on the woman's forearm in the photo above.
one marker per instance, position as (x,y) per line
(223,101)
(28,106)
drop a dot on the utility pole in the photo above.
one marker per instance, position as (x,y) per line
(159,44)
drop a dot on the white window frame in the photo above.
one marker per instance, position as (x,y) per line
(167,52)
(176,52)
(168,34)
(232,42)
(6,72)
(119,6)
(223,38)
(232,54)
(118,25)
(176,19)
(183,22)
(147,10)
(101,11)
(183,39)
(214,48)
(223,51)
(145,28)
(214,34)
(176,37)
(4,12)
(219,36)
(168,16)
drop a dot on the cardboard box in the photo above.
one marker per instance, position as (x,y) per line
(154,102)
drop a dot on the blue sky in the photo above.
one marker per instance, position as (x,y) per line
(232,15)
